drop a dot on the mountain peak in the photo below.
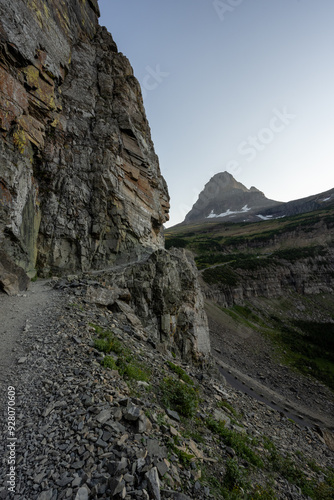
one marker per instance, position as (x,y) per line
(225,197)
(227,200)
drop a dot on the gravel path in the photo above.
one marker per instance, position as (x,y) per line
(18,315)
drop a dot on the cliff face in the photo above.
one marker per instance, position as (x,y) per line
(305,277)
(80,182)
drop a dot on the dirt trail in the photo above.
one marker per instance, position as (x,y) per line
(17,315)
(299,413)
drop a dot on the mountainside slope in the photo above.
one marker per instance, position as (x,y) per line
(103,414)
(277,277)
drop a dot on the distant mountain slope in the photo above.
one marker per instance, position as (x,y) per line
(226,199)
(275,276)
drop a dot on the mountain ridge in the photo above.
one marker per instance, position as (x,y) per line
(225,198)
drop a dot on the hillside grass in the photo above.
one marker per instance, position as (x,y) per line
(240,243)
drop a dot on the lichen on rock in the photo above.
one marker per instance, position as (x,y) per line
(75,139)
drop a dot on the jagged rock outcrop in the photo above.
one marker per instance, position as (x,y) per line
(164,293)
(80,183)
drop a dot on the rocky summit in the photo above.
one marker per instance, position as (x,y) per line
(227,200)
(224,197)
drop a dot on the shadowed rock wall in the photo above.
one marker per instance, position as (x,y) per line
(80,185)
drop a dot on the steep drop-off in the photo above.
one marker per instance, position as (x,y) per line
(79,179)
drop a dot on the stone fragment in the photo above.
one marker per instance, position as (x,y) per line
(117,487)
(162,468)
(173,414)
(45,495)
(82,494)
(155,449)
(122,440)
(132,413)
(230,451)
(112,468)
(104,416)
(192,446)
(78,465)
(103,296)
(220,415)
(122,465)
(64,480)
(38,477)
(143,425)
(174,432)
(153,483)
(129,478)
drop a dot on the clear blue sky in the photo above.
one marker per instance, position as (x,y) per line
(245,86)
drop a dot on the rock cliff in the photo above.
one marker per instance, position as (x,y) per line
(273,278)
(80,182)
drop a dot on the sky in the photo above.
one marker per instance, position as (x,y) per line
(244,86)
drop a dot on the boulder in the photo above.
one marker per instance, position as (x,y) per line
(13,279)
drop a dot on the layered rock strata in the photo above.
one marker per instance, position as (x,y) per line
(312,276)
(80,183)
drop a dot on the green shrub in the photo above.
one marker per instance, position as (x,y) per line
(137,371)
(175,242)
(184,458)
(180,372)
(250,264)
(225,404)
(263,493)
(239,442)
(126,364)
(294,254)
(109,362)
(107,342)
(234,477)
(103,345)
(179,396)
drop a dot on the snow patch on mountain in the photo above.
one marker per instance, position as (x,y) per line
(244,209)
